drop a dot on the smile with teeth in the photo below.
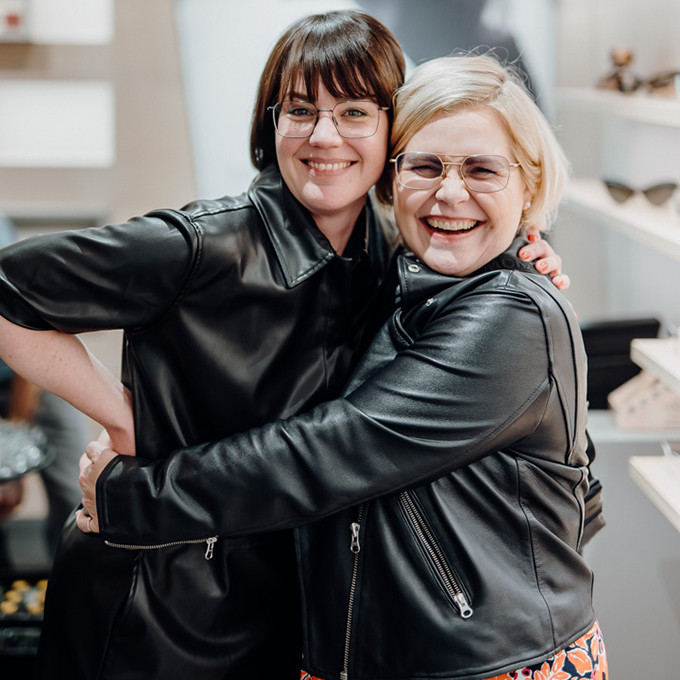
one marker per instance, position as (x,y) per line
(328,167)
(450,226)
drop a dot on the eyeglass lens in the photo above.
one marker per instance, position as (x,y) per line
(485,174)
(657,194)
(351,118)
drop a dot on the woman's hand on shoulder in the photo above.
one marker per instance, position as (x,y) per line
(545,259)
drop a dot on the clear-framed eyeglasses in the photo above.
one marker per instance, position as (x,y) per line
(352,119)
(481,173)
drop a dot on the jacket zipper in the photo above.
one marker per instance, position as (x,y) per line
(436,555)
(209,550)
(355,548)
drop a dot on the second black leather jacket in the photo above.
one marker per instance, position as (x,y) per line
(472,396)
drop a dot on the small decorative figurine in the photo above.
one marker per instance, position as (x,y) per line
(622,77)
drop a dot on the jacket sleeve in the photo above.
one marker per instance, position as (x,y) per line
(475,380)
(100,278)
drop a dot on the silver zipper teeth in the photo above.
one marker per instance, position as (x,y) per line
(208,551)
(355,547)
(434,551)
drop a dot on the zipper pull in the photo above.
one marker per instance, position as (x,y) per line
(463,605)
(210,548)
(354,543)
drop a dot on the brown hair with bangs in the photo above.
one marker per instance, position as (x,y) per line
(350,52)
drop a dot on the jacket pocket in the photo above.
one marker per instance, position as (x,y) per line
(209,550)
(434,554)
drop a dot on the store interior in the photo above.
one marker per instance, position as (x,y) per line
(110,109)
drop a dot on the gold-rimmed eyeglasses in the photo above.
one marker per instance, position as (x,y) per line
(353,119)
(481,173)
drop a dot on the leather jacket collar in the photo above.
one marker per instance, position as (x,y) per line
(418,281)
(301,248)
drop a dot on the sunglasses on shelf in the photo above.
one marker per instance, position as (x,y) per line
(665,83)
(656,194)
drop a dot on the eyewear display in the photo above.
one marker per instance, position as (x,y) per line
(656,194)
(666,83)
(352,119)
(480,173)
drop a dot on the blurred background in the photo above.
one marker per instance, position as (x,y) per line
(110,109)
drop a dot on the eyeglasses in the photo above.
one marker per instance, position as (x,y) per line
(657,194)
(666,83)
(352,119)
(483,174)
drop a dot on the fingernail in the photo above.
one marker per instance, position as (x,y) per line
(525,255)
(542,266)
(532,237)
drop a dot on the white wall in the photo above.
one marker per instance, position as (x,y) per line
(533,22)
(77,132)
(71,22)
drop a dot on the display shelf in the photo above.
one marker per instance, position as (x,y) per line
(639,107)
(76,214)
(603,429)
(659,478)
(660,357)
(656,227)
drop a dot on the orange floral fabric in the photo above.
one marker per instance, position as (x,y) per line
(585,659)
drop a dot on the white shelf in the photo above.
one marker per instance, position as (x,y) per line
(62,212)
(659,356)
(659,478)
(656,227)
(603,429)
(639,107)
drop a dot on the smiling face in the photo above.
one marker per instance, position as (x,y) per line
(329,174)
(451,229)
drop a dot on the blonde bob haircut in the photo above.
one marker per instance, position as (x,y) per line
(451,84)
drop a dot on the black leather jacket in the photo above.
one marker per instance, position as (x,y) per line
(236,312)
(472,396)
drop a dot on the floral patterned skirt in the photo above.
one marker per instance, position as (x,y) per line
(585,659)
